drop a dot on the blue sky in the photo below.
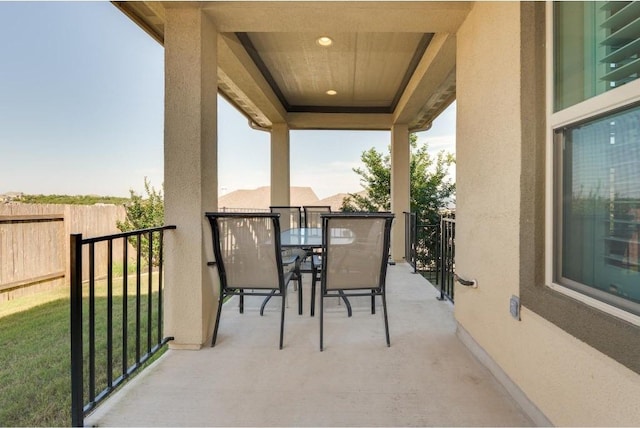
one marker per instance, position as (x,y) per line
(81,112)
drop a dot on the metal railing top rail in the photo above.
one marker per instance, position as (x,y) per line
(125,234)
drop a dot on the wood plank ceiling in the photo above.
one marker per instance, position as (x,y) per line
(367,71)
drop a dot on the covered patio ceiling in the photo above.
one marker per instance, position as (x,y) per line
(388,62)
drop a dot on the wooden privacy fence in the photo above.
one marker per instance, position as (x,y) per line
(34,243)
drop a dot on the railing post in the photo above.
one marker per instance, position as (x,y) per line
(407,257)
(77,392)
(452,226)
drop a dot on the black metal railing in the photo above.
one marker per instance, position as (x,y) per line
(422,245)
(430,250)
(410,239)
(447,257)
(115,326)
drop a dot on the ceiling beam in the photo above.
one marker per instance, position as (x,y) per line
(240,69)
(432,76)
(355,121)
(327,16)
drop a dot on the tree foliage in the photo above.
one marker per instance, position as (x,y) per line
(431,192)
(431,189)
(144,213)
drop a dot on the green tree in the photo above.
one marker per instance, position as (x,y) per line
(430,188)
(143,213)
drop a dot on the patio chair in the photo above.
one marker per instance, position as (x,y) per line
(312,215)
(248,257)
(355,250)
(290,216)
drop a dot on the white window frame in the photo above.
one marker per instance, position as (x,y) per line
(592,107)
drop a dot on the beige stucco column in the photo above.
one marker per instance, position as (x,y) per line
(400,186)
(280,166)
(190,175)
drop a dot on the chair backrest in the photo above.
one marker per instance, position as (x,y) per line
(290,217)
(356,250)
(246,247)
(312,214)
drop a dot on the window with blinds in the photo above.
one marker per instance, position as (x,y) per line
(598,200)
(596,157)
(596,48)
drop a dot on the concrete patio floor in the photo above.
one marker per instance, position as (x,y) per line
(426,378)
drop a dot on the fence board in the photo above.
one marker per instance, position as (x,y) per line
(34,243)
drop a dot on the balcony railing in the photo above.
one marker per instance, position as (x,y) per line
(115,326)
(410,239)
(447,257)
(430,250)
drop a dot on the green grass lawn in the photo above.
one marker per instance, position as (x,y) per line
(35,352)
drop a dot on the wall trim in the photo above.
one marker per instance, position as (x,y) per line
(529,408)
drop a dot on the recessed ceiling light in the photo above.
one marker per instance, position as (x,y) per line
(324,41)
(331,92)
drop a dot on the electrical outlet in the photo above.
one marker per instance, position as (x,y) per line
(514,307)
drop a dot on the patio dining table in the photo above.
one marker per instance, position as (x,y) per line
(301,237)
(311,237)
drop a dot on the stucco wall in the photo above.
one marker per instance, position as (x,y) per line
(569,381)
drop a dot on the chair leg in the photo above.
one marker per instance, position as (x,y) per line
(266,300)
(299,283)
(313,293)
(373,302)
(321,317)
(215,328)
(346,302)
(284,297)
(386,321)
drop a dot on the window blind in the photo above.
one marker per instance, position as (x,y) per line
(621,41)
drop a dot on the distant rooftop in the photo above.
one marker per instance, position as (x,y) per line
(260,198)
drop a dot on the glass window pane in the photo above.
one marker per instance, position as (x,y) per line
(600,205)
(596,48)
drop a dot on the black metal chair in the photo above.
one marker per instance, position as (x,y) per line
(290,216)
(312,215)
(248,257)
(355,254)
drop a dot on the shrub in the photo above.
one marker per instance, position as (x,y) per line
(144,213)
